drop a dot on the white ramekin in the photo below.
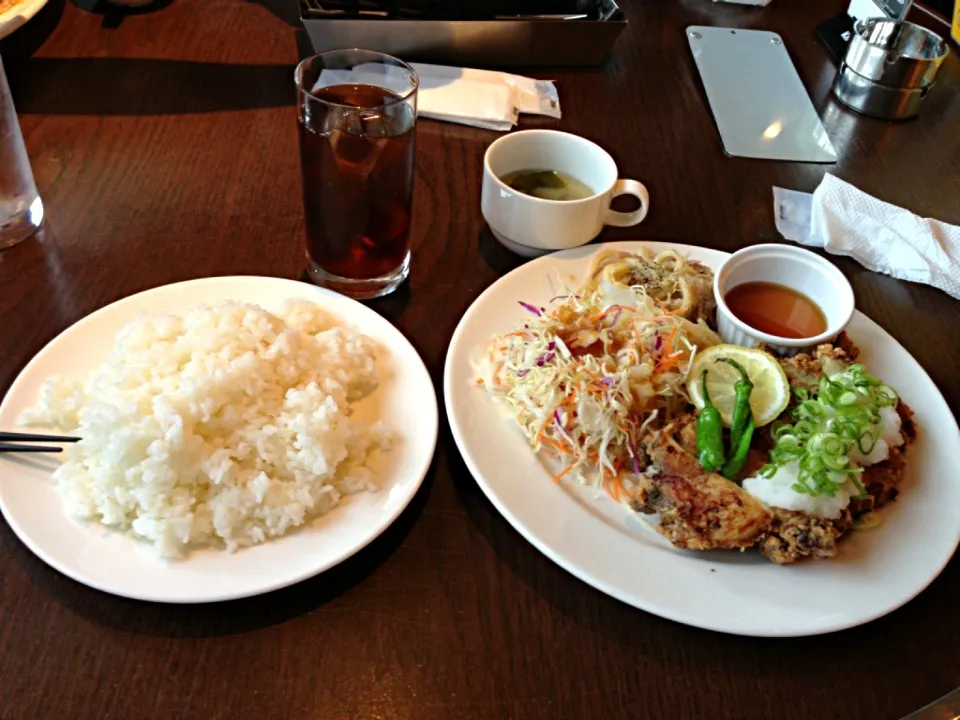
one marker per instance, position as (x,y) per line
(795,268)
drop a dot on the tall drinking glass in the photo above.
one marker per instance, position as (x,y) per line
(357,114)
(21,210)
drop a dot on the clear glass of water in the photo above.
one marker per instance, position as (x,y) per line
(21,210)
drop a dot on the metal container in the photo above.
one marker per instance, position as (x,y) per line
(870,98)
(895,53)
(889,69)
(518,41)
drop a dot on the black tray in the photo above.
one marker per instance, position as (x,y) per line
(477,34)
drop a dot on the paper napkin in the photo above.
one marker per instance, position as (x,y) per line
(882,237)
(480,98)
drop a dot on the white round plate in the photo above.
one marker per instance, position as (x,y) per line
(116,562)
(13,17)
(608,546)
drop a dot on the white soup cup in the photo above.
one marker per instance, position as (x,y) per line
(533,226)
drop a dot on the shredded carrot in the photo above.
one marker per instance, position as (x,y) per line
(561,446)
(614,483)
(666,364)
(543,427)
(567,401)
(663,309)
(619,485)
(612,309)
(560,475)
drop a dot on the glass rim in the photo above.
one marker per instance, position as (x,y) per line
(298,74)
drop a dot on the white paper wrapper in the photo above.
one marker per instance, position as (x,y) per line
(479,98)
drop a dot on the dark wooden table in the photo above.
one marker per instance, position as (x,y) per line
(164,146)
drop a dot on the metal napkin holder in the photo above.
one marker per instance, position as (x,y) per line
(520,41)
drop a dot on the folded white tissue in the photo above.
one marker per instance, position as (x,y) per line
(882,237)
(480,98)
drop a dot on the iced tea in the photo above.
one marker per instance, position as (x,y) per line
(357,114)
(358,182)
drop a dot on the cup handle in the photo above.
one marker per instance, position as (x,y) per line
(639,191)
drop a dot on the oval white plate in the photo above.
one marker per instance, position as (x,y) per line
(12,18)
(608,546)
(116,563)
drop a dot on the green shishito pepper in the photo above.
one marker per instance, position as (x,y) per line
(742,426)
(738,451)
(709,433)
(710,427)
(741,405)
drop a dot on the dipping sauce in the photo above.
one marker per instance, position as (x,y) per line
(547,185)
(776,310)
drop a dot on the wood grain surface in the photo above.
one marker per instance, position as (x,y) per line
(164,146)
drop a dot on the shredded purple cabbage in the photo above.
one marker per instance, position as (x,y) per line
(563,430)
(552,345)
(659,342)
(528,306)
(544,359)
(522,373)
(606,381)
(616,317)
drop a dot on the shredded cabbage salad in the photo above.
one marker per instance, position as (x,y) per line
(832,420)
(586,376)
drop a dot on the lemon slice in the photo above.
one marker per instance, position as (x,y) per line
(771,389)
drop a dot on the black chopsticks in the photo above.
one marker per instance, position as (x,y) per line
(12,442)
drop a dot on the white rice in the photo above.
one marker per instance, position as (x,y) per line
(225,426)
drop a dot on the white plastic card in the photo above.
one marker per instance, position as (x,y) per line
(759,103)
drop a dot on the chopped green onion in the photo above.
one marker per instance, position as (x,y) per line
(840,414)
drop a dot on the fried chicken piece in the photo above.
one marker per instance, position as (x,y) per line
(881,480)
(698,510)
(806,370)
(703,511)
(796,535)
(684,286)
